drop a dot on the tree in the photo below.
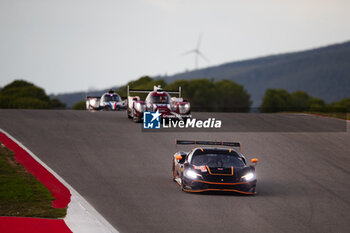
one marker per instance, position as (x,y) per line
(25,95)
(341,106)
(300,101)
(81,105)
(279,100)
(207,95)
(22,94)
(276,100)
(57,104)
(233,97)
(143,83)
(179,83)
(317,105)
(203,94)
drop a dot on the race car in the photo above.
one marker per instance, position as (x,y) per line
(213,169)
(158,100)
(109,101)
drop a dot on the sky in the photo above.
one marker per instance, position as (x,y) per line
(79,45)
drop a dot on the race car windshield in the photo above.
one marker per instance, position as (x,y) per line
(111,98)
(159,99)
(217,160)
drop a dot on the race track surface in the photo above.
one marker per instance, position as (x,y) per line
(303,177)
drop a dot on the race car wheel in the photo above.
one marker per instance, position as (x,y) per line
(182,185)
(174,175)
(128,114)
(135,118)
(252,189)
(108,108)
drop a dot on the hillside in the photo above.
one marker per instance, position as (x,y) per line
(322,72)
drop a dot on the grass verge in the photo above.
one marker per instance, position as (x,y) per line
(21,194)
(344,116)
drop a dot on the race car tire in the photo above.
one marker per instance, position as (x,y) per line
(128,114)
(182,185)
(174,171)
(108,108)
(252,190)
(135,118)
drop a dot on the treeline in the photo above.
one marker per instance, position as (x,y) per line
(279,100)
(203,94)
(24,95)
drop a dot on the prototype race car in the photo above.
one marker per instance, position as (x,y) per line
(213,169)
(158,100)
(110,101)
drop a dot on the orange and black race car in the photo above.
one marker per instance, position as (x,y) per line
(213,169)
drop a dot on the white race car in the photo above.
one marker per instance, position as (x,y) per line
(110,101)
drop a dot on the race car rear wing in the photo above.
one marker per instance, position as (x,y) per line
(95,97)
(211,143)
(155,88)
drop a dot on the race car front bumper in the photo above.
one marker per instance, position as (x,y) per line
(205,186)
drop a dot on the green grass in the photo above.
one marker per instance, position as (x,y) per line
(339,115)
(344,116)
(21,194)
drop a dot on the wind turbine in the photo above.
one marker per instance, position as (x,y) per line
(197,52)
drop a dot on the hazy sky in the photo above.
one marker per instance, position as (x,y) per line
(74,45)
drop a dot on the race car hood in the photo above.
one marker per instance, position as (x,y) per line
(162,108)
(220,170)
(235,172)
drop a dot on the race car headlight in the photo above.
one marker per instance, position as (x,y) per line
(184,108)
(192,174)
(249,176)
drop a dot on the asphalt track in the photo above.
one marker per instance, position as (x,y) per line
(303,176)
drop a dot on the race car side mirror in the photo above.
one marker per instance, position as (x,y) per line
(254,161)
(177,157)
